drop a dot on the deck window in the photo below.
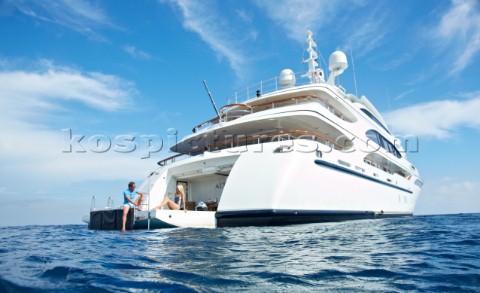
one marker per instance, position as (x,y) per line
(376,137)
(419,183)
(371,116)
(372,135)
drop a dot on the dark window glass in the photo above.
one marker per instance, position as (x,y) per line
(376,137)
(370,115)
(391,148)
(372,135)
(384,142)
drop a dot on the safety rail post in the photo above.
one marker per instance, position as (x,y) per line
(110,202)
(92,207)
(148,202)
(148,206)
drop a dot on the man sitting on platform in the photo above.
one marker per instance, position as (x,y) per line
(130,201)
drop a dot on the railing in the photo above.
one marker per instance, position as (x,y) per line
(225,115)
(146,201)
(92,206)
(265,87)
(257,139)
(110,203)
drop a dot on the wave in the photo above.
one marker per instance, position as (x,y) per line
(427,253)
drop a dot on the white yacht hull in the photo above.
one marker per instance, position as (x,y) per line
(293,153)
(269,188)
(175,218)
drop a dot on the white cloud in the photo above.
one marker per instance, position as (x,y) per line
(204,19)
(362,30)
(459,28)
(81,16)
(296,16)
(37,89)
(29,149)
(451,186)
(136,53)
(404,94)
(368,31)
(449,195)
(228,35)
(244,15)
(36,174)
(438,119)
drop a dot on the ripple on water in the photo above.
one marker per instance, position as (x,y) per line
(428,253)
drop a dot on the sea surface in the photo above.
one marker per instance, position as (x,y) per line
(420,253)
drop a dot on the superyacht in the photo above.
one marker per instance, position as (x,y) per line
(295,149)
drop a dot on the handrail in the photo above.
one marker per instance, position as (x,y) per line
(224,112)
(268,86)
(110,202)
(195,129)
(251,138)
(329,107)
(92,206)
(217,118)
(232,105)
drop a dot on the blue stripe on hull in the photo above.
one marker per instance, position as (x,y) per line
(287,217)
(355,173)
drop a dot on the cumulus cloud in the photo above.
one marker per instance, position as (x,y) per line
(29,148)
(437,119)
(37,174)
(455,186)
(459,29)
(38,88)
(449,195)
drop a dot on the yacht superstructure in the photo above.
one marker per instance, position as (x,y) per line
(299,149)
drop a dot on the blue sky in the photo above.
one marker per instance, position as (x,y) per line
(136,68)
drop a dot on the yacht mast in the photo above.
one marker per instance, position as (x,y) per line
(315,75)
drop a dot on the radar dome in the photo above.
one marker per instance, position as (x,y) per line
(287,78)
(338,62)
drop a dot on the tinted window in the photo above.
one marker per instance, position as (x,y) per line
(376,137)
(384,142)
(370,115)
(372,135)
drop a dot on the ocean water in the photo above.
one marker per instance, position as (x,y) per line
(420,253)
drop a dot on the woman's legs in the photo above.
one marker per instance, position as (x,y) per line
(172,205)
(167,201)
(163,203)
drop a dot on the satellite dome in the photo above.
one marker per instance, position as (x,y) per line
(338,62)
(287,78)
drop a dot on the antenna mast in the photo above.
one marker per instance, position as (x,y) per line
(315,75)
(211,99)
(354,75)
